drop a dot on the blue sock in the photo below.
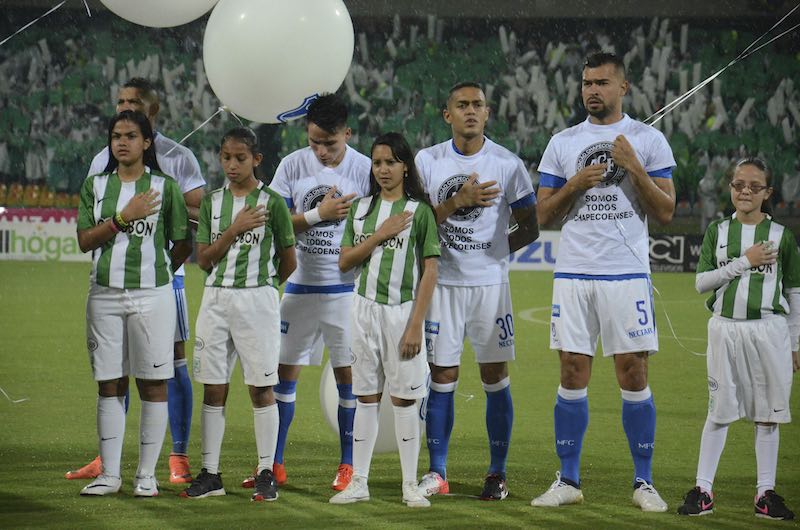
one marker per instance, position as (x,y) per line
(499,419)
(285,396)
(571,417)
(439,419)
(179,404)
(346,414)
(639,422)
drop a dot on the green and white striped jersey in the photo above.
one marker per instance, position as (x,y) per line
(759,291)
(252,260)
(138,257)
(391,273)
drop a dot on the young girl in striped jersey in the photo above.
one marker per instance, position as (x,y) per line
(127,216)
(752,266)
(245,241)
(391,239)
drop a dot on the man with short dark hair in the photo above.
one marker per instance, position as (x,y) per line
(603,178)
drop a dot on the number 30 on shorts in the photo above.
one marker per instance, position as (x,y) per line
(506,325)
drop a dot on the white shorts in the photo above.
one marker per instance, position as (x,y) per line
(377,331)
(311,321)
(481,313)
(243,323)
(182,316)
(130,331)
(749,370)
(619,312)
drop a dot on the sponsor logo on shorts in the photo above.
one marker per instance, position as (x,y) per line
(713,386)
(641,332)
(268,374)
(431,327)
(91,344)
(415,387)
(505,343)
(556,310)
(284,327)
(600,153)
(313,198)
(449,188)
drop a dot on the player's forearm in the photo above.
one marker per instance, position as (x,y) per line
(288,263)
(714,279)
(96,236)
(447,208)
(527,228)
(351,257)
(299,223)
(180,252)
(425,288)
(658,203)
(209,255)
(793,318)
(555,204)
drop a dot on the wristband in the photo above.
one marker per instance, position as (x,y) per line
(120,222)
(312,217)
(113,225)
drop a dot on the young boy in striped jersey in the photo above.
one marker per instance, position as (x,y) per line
(128,215)
(752,266)
(246,242)
(390,237)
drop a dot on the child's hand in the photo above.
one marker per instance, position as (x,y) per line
(394,225)
(761,254)
(249,218)
(411,342)
(141,206)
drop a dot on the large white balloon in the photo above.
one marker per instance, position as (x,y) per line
(159,13)
(329,403)
(267,61)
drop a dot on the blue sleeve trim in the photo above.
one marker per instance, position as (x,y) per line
(548,180)
(528,200)
(604,277)
(665,173)
(296,288)
(289,202)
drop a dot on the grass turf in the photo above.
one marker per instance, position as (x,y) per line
(44,359)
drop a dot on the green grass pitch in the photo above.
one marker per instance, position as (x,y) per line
(44,360)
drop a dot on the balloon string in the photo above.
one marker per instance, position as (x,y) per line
(658,115)
(31,23)
(88,11)
(14,401)
(220,109)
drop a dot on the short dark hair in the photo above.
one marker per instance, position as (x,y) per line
(328,112)
(147,91)
(463,84)
(597,60)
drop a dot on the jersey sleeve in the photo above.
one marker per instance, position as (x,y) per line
(519,185)
(281,221)
(550,162)
(204,221)
(99,162)
(178,216)
(86,205)
(707,261)
(421,161)
(428,231)
(660,156)
(347,236)
(191,176)
(790,258)
(280,183)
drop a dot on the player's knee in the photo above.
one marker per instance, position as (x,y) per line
(492,373)
(444,374)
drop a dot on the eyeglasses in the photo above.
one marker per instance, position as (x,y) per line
(754,188)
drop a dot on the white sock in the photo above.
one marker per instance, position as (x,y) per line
(111,432)
(406,429)
(711,445)
(767,442)
(152,429)
(365,432)
(265,422)
(212,430)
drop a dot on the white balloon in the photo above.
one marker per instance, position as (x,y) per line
(267,61)
(329,403)
(159,13)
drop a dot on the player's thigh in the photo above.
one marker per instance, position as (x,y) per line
(182,330)
(574,326)
(724,404)
(255,331)
(151,332)
(405,378)
(301,335)
(367,367)
(627,316)
(445,325)
(336,329)
(105,333)
(490,323)
(769,367)
(214,356)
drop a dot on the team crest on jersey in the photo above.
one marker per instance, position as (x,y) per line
(314,197)
(600,153)
(449,188)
